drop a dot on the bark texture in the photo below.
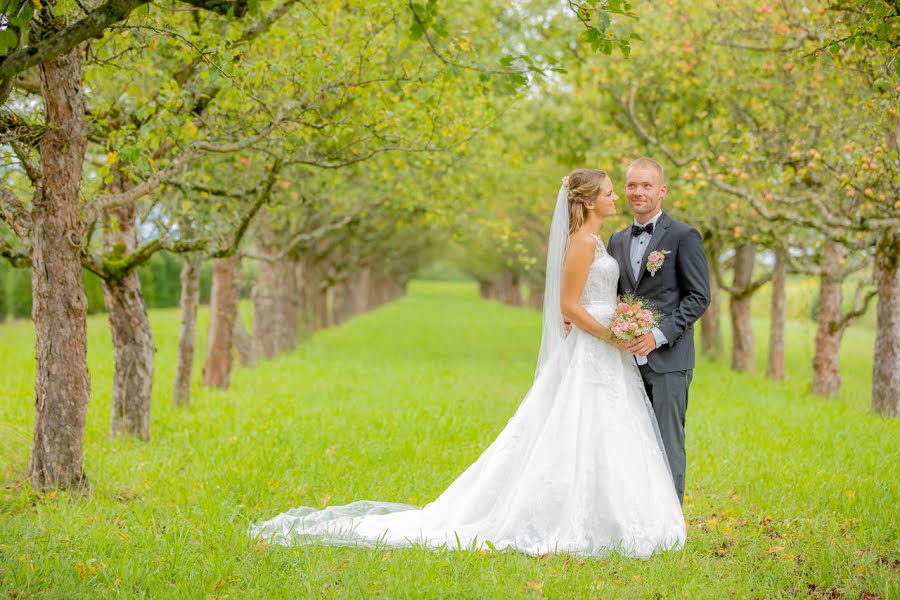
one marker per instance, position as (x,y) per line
(132,338)
(742,356)
(59,309)
(886,372)
(275,308)
(266,310)
(223,312)
(190,300)
(826,374)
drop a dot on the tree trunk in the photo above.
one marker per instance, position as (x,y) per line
(361,292)
(190,300)
(536,296)
(345,300)
(487,289)
(243,341)
(59,310)
(886,374)
(306,280)
(266,310)
(132,338)
(512,291)
(826,375)
(742,357)
(320,306)
(710,322)
(133,349)
(223,312)
(288,306)
(777,318)
(328,303)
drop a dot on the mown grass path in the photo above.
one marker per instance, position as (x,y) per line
(788,494)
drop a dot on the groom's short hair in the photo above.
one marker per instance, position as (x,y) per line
(648,162)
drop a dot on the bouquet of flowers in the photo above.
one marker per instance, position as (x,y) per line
(633,318)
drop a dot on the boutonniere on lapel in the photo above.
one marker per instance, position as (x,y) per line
(655,261)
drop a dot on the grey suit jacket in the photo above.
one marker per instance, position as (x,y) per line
(679,289)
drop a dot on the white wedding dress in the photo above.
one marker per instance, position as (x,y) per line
(579,468)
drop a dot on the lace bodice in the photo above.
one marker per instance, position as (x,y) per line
(603,279)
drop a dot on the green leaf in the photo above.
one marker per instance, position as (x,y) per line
(8,41)
(23,16)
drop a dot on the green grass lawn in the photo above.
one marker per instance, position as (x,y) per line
(788,494)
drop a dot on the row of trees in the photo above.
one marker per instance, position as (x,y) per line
(779,128)
(159,279)
(311,139)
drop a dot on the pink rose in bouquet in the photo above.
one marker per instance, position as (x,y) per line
(633,318)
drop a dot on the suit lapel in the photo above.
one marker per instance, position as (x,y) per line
(659,233)
(625,253)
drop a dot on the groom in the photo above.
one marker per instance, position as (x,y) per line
(663,261)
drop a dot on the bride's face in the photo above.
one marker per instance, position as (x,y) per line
(605,204)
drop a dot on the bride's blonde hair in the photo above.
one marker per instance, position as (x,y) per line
(584,186)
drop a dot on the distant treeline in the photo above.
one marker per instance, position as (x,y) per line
(160,283)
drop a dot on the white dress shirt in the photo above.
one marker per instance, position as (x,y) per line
(639,246)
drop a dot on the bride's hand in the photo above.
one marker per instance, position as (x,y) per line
(620,344)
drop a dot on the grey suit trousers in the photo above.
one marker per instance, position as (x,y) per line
(668,394)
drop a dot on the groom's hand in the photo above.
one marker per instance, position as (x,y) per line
(643,345)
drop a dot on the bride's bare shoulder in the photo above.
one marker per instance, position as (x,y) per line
(582,242)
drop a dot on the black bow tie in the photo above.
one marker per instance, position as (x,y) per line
(637,230)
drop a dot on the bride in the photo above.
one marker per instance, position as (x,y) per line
(579,468)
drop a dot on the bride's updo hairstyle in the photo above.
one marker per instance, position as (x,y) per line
(584,186)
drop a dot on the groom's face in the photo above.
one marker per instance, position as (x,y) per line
(644,190)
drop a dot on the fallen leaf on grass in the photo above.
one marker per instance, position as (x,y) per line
(261,545)
(775,549)
(817,591)
(891,563)
(536,585)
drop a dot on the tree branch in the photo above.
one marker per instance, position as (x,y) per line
(31,169)
(15,213)
(17,258)
(629,109)
(102,202)
(301,238)
(835,232)
(93,25)
(860,306)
